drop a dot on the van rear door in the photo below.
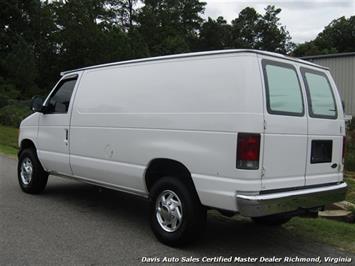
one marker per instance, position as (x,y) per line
(325,128)
(285,129)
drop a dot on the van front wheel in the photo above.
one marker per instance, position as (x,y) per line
(177,216)
(31,175)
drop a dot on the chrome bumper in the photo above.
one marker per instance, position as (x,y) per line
(281,202)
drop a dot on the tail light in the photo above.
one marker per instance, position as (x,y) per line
(344,147)
(248,151)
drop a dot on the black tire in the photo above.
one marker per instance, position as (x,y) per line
(272,220)
(193,213)
(39,177)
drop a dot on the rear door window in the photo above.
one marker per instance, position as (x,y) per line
(320,94)
(283,90)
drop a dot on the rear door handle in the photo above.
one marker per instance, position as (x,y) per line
(334,165)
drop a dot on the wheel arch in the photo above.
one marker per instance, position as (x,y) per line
(26,144)
(160,167)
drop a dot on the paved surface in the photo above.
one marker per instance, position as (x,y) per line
(75,223)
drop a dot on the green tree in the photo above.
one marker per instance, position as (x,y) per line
(170,26)
(18,28)
(245,29)
(77,33)
(124,12)
(273,36)
(138,46)
(215,34)
(253,30)
(80,31)
(337,37)
(47,51)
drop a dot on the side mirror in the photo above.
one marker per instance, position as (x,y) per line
(343,104)
(37,104)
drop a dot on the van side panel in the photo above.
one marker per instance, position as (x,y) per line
(188,110)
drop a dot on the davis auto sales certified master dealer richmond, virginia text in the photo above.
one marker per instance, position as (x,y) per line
(237,259)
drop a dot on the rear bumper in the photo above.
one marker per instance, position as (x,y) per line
(281,202)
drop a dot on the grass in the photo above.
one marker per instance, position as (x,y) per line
(8,140)
(350,180)
(338,234)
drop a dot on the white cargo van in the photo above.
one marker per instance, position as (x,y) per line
(241,131)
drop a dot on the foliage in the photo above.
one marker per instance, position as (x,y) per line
(256,31)
(273,36)
(18,33)
(246,28)
(215,34)
(350,195)
(170,26)
(335,233)
(350,151)
(250,30)
(8,140)
(13,114)
(337,37)
(125,12)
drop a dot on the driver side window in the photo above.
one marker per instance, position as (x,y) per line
(58,103)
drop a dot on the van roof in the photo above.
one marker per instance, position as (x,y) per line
(197,54)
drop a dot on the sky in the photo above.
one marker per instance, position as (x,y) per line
(303,19)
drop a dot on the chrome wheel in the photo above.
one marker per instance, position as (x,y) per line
(26,171)
(168,210)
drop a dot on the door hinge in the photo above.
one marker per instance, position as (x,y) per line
(264,124)
(262,171)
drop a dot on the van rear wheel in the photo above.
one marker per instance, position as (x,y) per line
(177,217)
(272,220)
(31,175)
